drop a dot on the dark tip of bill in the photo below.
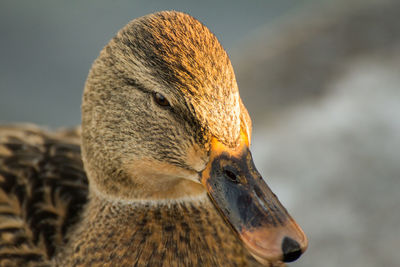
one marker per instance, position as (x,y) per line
(291,249)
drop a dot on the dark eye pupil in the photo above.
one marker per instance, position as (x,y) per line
(161,100)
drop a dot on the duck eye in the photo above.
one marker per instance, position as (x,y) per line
(161,100)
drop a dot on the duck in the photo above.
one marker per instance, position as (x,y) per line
(158,174)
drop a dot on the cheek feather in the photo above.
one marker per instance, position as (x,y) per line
(196,158)
(162,180)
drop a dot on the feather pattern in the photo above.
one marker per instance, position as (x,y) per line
(43,189)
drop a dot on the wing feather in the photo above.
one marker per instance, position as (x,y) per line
(43,189)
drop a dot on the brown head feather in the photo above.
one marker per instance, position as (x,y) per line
(173,54)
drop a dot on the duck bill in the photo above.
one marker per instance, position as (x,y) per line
(249,206)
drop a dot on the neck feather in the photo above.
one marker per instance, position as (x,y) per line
(186,233)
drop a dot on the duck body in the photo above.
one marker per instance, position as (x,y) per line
(160,173)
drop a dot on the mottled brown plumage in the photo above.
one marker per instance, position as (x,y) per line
(43,188)
(145,205)
(181,234)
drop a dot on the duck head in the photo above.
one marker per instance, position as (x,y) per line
(162,120)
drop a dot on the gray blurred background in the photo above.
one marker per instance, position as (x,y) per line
(321,80)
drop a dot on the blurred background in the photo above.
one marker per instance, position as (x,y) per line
(321,80)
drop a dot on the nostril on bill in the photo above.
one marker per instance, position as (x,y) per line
(291,249)
(231,175)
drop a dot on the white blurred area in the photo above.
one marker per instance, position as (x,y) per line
(321,82)
(329,145)
(335,165)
